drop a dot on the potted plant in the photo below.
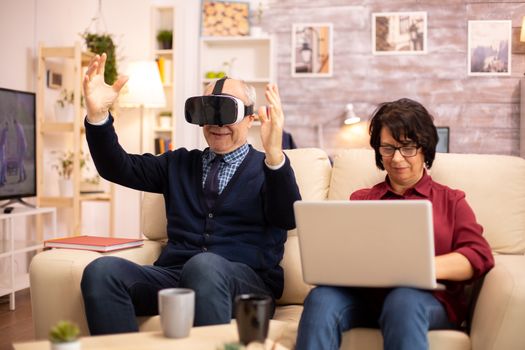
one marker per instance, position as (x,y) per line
(165,119)
(165,39)
(256,29)
(100,43)
(64,110)
(64,336)
(64,167)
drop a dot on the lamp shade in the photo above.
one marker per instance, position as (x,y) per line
(144,87)
(350,116)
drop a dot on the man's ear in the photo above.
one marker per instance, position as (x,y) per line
(251,118)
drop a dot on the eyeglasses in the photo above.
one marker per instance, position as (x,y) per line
(406,151)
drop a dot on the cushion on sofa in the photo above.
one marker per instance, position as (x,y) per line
(353,169)
(473,174)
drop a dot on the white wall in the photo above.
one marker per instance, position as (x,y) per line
(26,23)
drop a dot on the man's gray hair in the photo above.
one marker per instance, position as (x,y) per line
(250,93)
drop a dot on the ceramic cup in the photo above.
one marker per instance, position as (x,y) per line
(252,313)
(177,310)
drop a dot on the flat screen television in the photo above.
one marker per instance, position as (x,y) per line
(17,145)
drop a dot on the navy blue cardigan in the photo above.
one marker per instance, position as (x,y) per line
(248,222)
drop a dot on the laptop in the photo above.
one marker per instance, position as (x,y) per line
(373,243)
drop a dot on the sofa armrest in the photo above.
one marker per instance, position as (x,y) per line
(55,283)
(499,314)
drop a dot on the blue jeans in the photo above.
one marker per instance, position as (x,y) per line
(115,290)
(404,316)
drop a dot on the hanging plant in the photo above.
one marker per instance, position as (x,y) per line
(100,43)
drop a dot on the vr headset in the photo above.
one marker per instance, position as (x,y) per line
(216,109)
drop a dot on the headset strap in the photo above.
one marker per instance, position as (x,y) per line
(217,89)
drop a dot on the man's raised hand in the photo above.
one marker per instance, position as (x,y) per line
(99,95)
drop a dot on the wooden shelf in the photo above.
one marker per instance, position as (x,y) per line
(66,52)
(51,130)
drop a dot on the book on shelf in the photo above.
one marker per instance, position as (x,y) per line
(162,145)
(95,243)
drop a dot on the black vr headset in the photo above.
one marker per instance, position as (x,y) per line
(216,109)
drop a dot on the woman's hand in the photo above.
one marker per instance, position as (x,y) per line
(99,95)
(272,121)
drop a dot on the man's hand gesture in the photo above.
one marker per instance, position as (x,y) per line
(99,95)
(272,120)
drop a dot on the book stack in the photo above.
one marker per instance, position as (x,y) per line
(162,145)
(94,243)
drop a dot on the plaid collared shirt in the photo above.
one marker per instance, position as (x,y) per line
(228,166)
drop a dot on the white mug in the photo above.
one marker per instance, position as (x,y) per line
(177,310)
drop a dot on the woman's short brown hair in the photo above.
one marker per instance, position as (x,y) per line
(408,119)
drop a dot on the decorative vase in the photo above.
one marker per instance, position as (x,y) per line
(64,114)
(72,345)
(65,187)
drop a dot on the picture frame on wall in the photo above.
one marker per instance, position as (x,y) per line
(489,47)
(399,33)
(312,51)
(225,18)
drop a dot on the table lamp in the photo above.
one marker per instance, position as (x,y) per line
(350,118)
(144,90)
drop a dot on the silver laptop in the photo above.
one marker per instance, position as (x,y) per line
(376,243)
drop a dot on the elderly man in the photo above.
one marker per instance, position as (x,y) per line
(228,207)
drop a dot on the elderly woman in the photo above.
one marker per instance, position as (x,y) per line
(403,136)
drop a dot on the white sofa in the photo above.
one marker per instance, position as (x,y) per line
(495,188)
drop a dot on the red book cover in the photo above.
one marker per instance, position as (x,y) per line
(98,244)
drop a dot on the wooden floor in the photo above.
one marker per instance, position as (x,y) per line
(16,326)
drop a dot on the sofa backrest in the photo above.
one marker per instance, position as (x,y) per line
(494,186)
(312,170)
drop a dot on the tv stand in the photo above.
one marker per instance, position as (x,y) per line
(17,200)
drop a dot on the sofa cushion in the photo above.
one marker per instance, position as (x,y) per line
(353,169)
(312,171)
(495,189)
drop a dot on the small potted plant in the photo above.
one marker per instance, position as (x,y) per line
(64,110)
(165,119)
(256,29)
(64,167)
(64,336)
(165,39)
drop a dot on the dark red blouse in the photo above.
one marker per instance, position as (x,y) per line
(455,230)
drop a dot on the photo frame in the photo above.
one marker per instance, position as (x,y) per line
(489,48)
(399,33)
(225,18)
(312,51)
(444,139)
(54,79)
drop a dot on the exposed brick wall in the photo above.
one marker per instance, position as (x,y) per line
(482,112)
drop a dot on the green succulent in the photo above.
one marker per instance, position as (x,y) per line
(165,37)
(64,332)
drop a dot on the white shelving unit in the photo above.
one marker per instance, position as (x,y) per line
(163,18)
(10,247)
(248,58)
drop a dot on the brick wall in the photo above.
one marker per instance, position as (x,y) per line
(482,112)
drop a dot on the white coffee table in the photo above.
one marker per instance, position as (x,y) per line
(280,337)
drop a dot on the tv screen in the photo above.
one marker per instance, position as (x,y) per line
(17,144)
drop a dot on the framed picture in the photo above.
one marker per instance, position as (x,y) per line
(443,142)
(395,33)
(312,50)
(489,47)
(225,18)
(54,79)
